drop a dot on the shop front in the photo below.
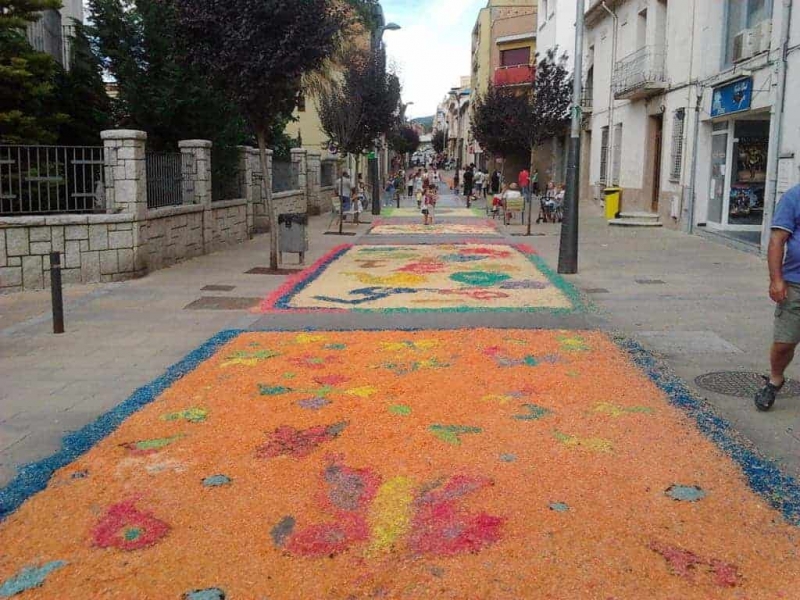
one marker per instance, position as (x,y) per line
(739,150)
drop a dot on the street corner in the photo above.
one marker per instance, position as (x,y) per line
(338,464)
(464,277)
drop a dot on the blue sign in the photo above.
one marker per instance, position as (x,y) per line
(732,97)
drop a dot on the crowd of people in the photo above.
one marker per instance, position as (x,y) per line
(422,184)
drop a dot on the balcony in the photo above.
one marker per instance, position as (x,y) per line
(640,75)
(587,101)
(515,75)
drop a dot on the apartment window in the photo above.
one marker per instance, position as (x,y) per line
(748,30)
(513,58)
(617,165)
(604,156)
(676,160)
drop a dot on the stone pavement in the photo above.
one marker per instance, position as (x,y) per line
(120,336)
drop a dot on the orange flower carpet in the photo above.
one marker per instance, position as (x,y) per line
(480,464)
(468,277)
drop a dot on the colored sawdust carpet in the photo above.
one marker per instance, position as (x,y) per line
(441,211)
(401,229)
(480,464)
(409,278)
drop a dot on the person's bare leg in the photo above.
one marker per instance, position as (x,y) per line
(781,357)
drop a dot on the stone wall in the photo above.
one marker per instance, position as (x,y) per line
(131,239)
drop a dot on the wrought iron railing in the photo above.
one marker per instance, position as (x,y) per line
(587,100)
(166,181)
(642,68)
(284,176)
(51,179)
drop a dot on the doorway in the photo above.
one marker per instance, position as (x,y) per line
(658,135)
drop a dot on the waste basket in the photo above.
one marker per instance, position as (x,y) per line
(613,199)
(292,234)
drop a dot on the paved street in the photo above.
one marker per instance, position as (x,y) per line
(422,403)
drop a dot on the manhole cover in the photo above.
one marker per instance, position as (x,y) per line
(741,384)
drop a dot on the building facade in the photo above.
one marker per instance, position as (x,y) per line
(53,32)
(687,111)
(503,54)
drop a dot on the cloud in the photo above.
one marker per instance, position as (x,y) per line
(433,49)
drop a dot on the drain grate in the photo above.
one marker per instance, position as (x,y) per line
(741,384)
(218,288)
(650,281)
(268,271)
(222,303)
(597,291)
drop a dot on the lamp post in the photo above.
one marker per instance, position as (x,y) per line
(377,44)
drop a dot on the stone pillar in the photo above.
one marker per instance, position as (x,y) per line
(246,172)
(126,193)
(300,165)
(258,187)
(126,184)
(197,169)
(313,181)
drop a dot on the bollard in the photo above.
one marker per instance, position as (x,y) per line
(56,292)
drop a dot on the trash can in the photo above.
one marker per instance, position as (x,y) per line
(292,234)
(613,198)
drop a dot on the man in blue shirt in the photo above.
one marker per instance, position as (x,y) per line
(784,289)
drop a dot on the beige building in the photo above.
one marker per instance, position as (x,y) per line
(503,53)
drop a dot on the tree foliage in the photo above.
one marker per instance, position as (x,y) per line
(511,121)
(438,141)
(82,95)
(404,139)
(29,111)
(158,93)
(363,105)
(256,52)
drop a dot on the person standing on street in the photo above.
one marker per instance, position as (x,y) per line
(524,182)
(468,180)
(783,258)
(535,182)
(496,181)
(410,183)
(344,186)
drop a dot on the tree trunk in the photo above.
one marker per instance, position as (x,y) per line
(530,194)
(271,217)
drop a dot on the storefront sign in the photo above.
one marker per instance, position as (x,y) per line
(732,97)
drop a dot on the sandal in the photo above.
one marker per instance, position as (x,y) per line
(765,398)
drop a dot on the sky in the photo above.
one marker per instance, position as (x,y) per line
(433,48)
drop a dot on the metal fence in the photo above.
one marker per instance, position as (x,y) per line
(166,185)
(227,180)
(327,173)
(51,179)
(284,176)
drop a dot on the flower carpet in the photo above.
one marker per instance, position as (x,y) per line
(479,464)
(486,228)
(440,277)
(441,211)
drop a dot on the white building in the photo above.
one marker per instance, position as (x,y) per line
(54,30)
(671,76)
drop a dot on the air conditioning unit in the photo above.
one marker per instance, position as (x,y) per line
(745,45)
(764,35)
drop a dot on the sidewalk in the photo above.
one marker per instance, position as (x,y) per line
(119,337)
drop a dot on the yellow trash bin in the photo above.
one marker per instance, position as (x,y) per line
(613,199)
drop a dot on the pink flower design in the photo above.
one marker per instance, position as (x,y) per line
(127,528)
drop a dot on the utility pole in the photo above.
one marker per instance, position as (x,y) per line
(568,253)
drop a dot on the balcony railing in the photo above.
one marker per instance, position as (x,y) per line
(587,101)
(640,75)
(516,75)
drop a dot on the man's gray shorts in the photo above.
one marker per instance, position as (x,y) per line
(787,317)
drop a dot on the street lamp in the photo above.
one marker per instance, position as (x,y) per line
(377,42)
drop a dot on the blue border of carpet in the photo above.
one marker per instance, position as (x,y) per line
(33,478)
(779,490)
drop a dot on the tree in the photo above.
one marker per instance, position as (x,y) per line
(438,142)
(82,95)
(500,119)
(404,139)
(549,106)
(256,51)
(28,109)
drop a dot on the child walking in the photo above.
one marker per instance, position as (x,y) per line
(429,204)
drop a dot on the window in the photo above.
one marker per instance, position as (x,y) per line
(748,29)
(617,165)
(513,58)
(676,160)
(604,156)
